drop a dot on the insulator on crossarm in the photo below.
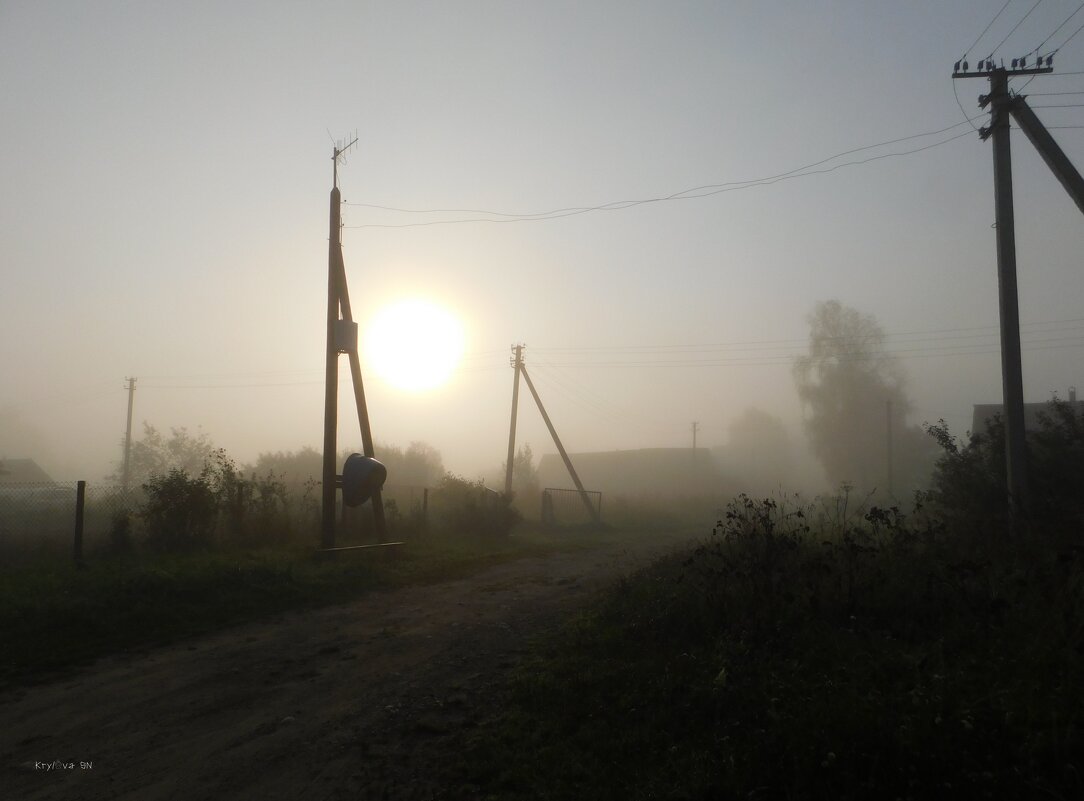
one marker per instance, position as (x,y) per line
(956,67)
(1050,60)
(1014,61)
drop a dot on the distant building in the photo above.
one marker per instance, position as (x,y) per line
(646,471)
(22,471)
(985,412)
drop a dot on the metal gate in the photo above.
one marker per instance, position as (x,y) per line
(565,507)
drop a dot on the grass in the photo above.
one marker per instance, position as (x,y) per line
(54,616)
(790,657)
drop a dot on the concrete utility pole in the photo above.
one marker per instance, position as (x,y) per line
(560,448)
(1011,371)
(1002,105)
(517,364)
(128,433)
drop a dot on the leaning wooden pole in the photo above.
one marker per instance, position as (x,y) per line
(591,510)
(359,394)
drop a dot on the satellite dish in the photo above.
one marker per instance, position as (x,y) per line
(362,476)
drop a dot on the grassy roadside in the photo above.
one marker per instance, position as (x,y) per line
(790,659)
(53,616)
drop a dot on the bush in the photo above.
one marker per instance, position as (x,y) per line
(184,512)
(180,510)
(811,651)
(969,485)
(120,532)
(470,508)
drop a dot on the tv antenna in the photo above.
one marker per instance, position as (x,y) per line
(339,149)
(362,476)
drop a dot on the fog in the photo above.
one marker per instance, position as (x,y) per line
(164,179)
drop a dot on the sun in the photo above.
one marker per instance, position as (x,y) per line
(414,344)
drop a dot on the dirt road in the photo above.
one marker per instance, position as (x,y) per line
(363,701)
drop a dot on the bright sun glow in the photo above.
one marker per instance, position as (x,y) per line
(414,344)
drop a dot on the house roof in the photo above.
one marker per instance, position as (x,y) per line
(22,471)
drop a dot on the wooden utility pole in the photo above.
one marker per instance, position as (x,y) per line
(888,442)
(341,338)
(80,505)
(517,364)
(591,510)
(696,425)
(331,368)
(128,434)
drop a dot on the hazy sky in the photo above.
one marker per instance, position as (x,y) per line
(164,179)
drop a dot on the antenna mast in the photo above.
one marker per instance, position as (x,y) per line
(342,337)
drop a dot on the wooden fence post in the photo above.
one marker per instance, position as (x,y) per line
(80,503)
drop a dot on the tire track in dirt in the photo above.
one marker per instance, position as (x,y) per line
(367,700)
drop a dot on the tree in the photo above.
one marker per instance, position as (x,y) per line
(525,487)
(759,452)
(156,455)
(852,392)
(293,468)
(420,465)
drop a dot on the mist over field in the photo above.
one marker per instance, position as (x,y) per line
(470,399)
(165,217)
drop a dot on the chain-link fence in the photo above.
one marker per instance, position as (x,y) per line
(39,518)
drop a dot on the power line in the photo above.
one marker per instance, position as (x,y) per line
(988,26)
(959,333)
(1051,36)
(685,194)
(670,353)
(675,195)
(1073,36)
(1017,25)
(956,94)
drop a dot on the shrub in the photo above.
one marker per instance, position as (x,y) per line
(183,512)
(969,486)
(470,508)
(120,532)
(180,510)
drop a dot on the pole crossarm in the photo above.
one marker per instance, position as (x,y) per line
(986,73)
